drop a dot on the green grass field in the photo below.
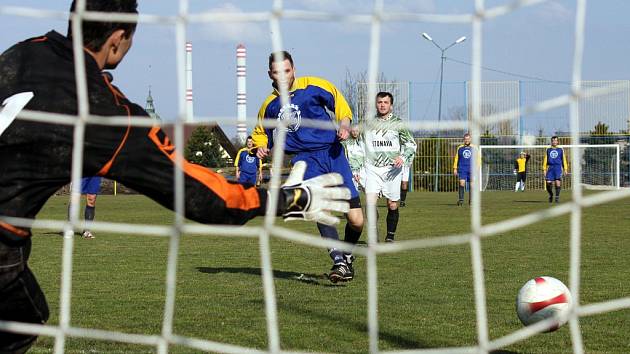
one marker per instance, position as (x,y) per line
(425,296)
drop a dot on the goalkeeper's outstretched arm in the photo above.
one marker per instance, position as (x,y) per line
(144,159)
(209,197)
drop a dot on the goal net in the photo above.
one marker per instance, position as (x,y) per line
(600,169)
(599,166)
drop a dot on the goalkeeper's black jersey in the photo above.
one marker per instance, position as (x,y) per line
(35,157)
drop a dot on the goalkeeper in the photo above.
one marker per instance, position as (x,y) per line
(520,170)
(35,157)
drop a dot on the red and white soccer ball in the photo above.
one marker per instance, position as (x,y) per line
(542,298)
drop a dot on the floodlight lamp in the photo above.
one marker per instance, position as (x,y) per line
(427,37)
(460,39)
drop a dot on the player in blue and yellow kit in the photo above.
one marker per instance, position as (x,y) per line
(91,187)
(462,167)
(318,100)
(248,165)
(554,166)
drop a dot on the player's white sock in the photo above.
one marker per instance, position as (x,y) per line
(516,186)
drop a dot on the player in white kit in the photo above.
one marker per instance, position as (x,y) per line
(389,145)
(355,152)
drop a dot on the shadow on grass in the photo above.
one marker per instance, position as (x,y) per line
(393,338)
(314,279)
(530,201)
(499,351)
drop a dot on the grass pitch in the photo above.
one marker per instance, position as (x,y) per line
(425,296)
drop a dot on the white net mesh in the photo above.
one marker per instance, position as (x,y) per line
(478,231)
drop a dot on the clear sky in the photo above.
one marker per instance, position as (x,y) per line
(536,41)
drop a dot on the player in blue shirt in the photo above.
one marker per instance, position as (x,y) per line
(554,166)
(462,167)
(248,165)
(90,186)
(317,100)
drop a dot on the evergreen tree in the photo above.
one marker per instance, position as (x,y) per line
(600,129)
(203,148)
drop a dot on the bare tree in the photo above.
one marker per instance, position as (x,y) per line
(355,90)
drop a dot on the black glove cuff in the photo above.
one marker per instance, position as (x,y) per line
(296,199)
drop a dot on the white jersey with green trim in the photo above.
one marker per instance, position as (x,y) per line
(386,138)
(355,152)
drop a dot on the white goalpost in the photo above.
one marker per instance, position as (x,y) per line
(599,166)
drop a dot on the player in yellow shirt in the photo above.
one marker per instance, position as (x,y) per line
(520,170)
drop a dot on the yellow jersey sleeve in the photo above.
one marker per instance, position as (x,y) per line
(238,157)
(259,135)
(341,106)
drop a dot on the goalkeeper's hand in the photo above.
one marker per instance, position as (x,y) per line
(315,198)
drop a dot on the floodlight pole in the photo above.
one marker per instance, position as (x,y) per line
(442,59)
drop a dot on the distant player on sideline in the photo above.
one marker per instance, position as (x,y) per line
(404,183)
(389,146)
(90,187)
(554,166)
(248,165)
(317,100)
(520,170)
(36,156)
(355,152)
(462,167)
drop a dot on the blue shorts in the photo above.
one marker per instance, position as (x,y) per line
(329,160)
(246,178)
(90,185)
(464,175)
(554,173)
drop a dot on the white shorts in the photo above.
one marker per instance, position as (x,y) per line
(405,173)
(383,180)
(361,182)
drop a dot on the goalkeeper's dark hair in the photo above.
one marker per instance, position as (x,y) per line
(384,94)
(554,137)
(283,54)
(95,34)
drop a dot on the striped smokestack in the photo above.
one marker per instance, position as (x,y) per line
(241,92)
(189,90)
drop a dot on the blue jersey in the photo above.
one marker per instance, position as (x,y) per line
(247,162)
(554,157)
(463,159)
(311,98)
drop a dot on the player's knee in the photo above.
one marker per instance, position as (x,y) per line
(392,205)
(90,200)
(22,301)
(355,219)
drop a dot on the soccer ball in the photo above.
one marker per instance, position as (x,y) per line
(542,298)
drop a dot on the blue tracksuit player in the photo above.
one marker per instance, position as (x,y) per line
(462,165)
(248,165)
(316,100)
(554,166)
